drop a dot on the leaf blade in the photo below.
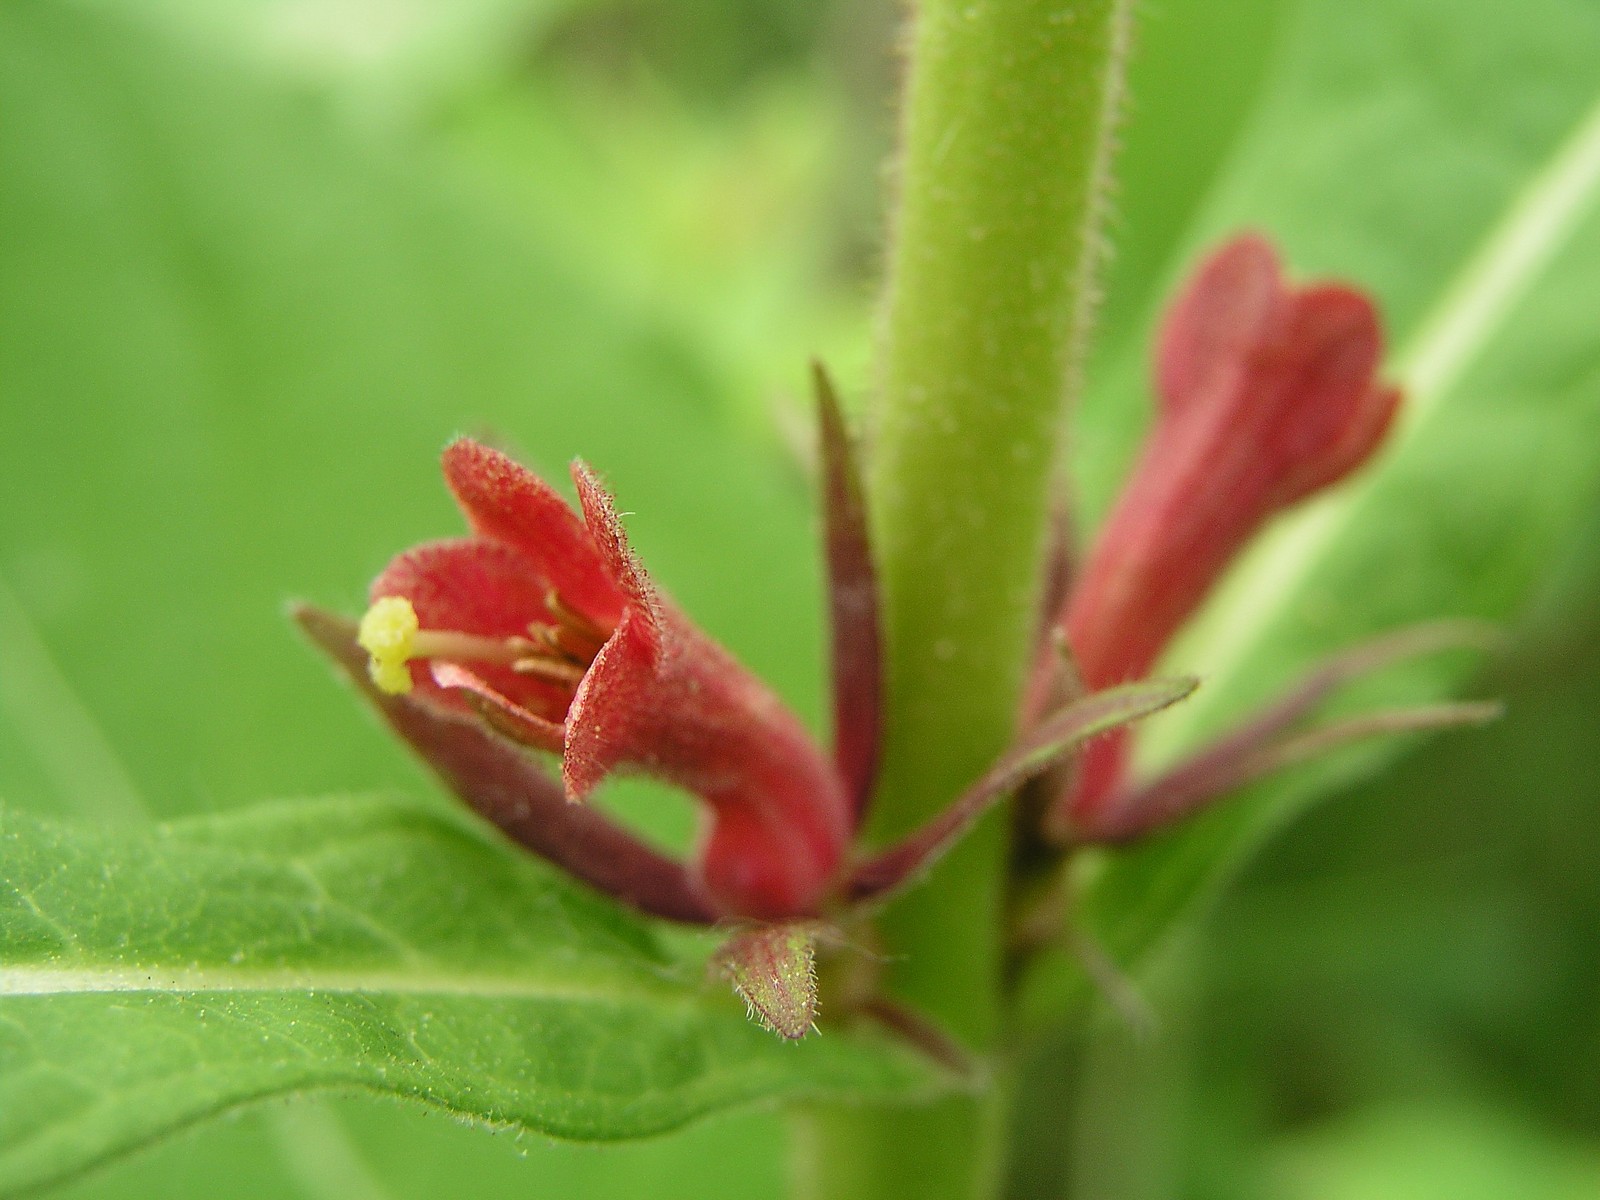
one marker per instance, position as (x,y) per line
(354,944)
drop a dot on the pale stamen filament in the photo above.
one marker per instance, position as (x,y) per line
(521,655)
(470,647)
(559,654)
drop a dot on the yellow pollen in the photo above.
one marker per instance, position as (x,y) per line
(388,634)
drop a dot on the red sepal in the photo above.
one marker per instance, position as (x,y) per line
(855,619)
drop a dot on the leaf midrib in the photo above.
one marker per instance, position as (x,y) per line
(53,981)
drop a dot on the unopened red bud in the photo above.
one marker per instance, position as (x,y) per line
(1268,392)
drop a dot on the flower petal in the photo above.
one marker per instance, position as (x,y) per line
(505,501)
(762,859)
(611,541)
(629,683)
(1268,394)
(1235,297)
(508,718)
(1331,413)
(472,585)
(614,715)
(668,702)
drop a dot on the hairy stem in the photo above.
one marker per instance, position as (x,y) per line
(1006,140)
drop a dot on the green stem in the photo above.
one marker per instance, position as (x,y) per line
(1002,177)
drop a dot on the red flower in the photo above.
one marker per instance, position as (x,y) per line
(541,631)
(1268,393)
(544,625)
(541,628)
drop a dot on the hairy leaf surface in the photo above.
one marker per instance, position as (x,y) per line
(148,979)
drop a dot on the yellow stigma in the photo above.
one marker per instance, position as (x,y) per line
(389,634)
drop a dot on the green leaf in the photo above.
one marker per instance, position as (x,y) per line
(1471,212)
(149,979)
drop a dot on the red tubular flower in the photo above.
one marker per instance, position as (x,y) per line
(544,625)
(1268,393)
(541,631)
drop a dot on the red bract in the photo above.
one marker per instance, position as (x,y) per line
(545,626)
(1268,393)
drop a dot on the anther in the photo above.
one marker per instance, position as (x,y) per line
(550,669)
(571,618)
(567,642)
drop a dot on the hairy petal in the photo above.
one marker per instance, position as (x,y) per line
(506,717)
(1293,409)
(505,501)
(665,701)
(547,630)
(615,715)
(611,542)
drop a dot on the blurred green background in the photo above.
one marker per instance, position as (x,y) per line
(259,259)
